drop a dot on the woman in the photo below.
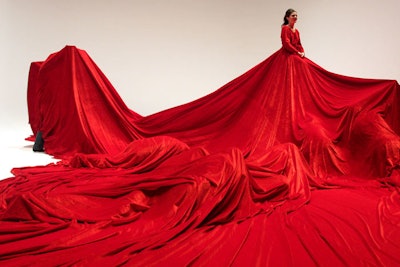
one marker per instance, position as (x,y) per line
(290,35)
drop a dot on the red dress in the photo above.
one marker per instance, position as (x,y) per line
(291,40)
(286,165)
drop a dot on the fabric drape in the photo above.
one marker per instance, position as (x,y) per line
(286,165)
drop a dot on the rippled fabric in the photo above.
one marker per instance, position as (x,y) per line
(286,165)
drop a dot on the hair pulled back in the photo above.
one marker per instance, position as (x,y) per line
(287,14)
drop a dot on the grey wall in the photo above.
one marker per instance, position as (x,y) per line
(163,53)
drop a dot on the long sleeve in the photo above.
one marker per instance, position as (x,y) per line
(291,40)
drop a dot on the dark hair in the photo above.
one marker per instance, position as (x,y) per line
(287,14)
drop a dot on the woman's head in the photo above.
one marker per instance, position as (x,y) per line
(290,16)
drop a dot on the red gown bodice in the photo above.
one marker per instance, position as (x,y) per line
(291,40)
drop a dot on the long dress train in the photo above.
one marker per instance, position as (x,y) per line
(286,165)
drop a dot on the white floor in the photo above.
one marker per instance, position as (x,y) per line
(17,152)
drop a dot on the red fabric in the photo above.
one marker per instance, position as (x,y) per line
(286,165)
(32,101)
(291,40)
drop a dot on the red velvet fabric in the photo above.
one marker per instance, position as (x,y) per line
(291,40)
(286,165)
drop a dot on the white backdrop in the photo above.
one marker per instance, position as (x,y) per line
(162,53)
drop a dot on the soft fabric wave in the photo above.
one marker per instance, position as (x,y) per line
(286,165)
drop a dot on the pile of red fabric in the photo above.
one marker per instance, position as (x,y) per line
(286,165)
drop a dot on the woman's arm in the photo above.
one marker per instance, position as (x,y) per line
(287,44)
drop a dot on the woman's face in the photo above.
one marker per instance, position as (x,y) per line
(292,18)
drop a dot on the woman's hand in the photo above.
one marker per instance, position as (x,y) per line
(301,54)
